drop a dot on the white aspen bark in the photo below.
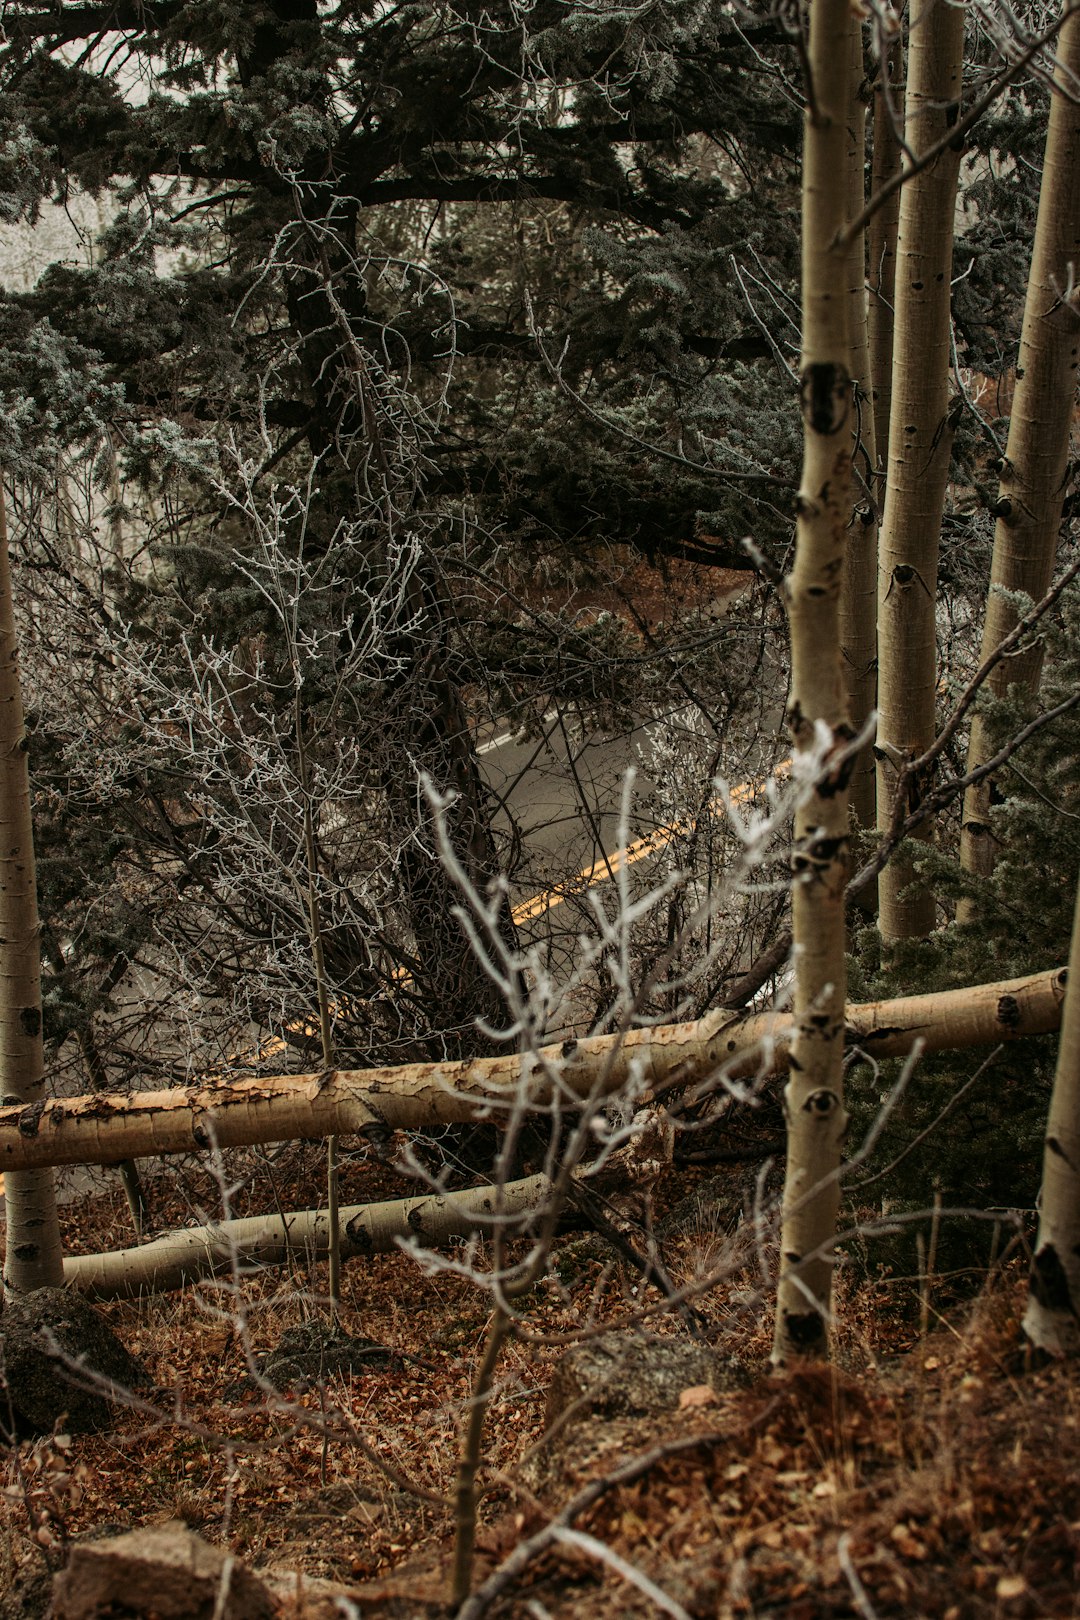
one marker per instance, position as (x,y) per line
(102,1128)
(32,1257)
(858,600)
(881,273)
(184,1256)
(920,439)
(817,718)
(1052,1318)
(1032,484)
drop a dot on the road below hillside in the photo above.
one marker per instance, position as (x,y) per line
(562,789)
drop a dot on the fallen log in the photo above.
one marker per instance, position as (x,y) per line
(191,1253)
(234,1111)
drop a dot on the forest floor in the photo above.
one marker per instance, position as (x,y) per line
(927,1473)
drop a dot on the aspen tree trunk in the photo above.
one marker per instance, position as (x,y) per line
(813,1096)
(233,1112)
(33,1257)
(881,275)
(1052,1318)
(920,438)
(858,601)
(181,1257)
(1032,485)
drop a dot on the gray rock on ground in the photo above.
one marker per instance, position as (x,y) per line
(41,1334)
(609,1397)
(167,1571)
(632,1375)
(308,1355)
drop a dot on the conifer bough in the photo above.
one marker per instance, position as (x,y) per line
(103,1128)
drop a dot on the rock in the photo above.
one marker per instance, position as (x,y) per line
(571,1259)
(613,1395)
(166,1571)
(305,1597)
(632,1375)
(39,1385)
(313,1352)
(718,1203)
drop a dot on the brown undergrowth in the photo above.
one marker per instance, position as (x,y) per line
(927,1474)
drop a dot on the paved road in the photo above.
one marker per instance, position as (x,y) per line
(564,790)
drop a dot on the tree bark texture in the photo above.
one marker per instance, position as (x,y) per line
(102,1128)
(858,600)
(32,1257)
(181,1257)
(881,271)
(1052,1318)
(920,439)
(817,713)
(1032,484)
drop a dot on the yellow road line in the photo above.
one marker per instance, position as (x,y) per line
(607,866)
(589,876)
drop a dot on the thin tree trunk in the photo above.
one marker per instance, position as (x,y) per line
(813,1096)
(920,439)
(1032,485)
(881,277)
(424,710)
(99,1129)
(457,994)
(322,992)
(858,601)
(1052,1318)
(33,1256)
(466,1500)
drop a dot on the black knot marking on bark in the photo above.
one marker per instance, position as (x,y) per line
(30,1118)
(359,1236)
(30,1019)
(824,397)
(804,1329)
(822,1103)
(1008,1012)
(1054,1146)
(1049,1283)
(818,853)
